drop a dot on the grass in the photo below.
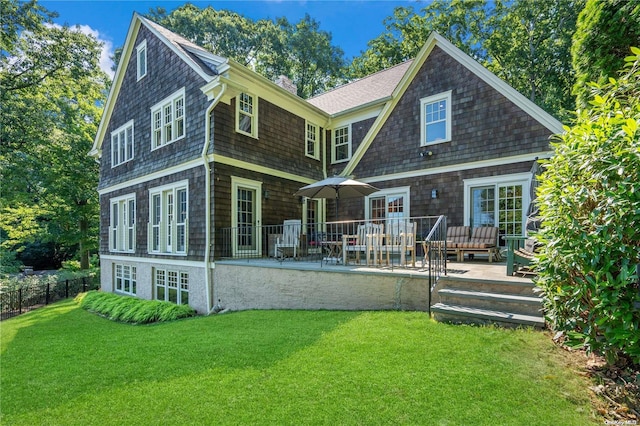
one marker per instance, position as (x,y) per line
(61,365)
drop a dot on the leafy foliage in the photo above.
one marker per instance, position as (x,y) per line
(51,94)
(604,33)
(132,310)
(525,43)
(299,51)
(590,210)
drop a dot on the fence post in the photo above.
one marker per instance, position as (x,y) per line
(46,299)
(84,284)
(66,289)
(20,300)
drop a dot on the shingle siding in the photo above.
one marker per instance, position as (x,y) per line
(166,73)
(485,124)
(196,208)
(280,144)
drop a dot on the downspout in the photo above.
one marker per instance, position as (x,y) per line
(207,192)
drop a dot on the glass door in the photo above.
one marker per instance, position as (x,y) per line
(246,218)
(500,205)
(483,206)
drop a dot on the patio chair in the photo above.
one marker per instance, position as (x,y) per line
(520,253)
(484,239)
(401,238)
(368,240)
(288,245)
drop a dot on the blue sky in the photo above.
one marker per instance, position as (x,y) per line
(351,23)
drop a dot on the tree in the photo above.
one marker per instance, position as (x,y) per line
(312,62)
(461,22)
(51,91)
(589,198)
(605,31)
(300,51)
(525,43)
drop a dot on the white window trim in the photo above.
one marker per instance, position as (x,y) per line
(316,144)
(423,119)
(122,242)
(516,178)
(404,190)
(164,229)
(132,278)
(169,101)
(180,275)
(254,116)
(141,48)
(333,144)
(115,150)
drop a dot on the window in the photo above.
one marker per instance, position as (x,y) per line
(124,278)
(246,115)
(171,286)
(142,59)
(312,141)
(435,119)
(122,144)
(341,144)
(168,212)
(167,120)
(388,204)
(122,230)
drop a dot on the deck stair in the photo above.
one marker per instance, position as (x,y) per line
(509,302)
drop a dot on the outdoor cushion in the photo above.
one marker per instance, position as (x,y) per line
(457,235)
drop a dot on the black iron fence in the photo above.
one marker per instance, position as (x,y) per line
(35,293)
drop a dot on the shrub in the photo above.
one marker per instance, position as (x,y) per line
(589,199)
(132,310)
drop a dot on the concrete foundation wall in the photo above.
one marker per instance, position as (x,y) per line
(251,287)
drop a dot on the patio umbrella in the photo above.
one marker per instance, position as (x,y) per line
(336,187)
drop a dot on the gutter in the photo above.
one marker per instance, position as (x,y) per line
(207,192)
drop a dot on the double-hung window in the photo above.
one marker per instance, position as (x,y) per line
(142,59)
(435,117)
(312,141)
(125,279)
(171,286)
(122,229)
(122,144)
(247,114)
(341,144)
(168,120)
(168,221)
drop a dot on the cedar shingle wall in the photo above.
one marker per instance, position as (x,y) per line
(485,124)
(166,73)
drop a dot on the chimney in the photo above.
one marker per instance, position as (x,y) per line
(284,82)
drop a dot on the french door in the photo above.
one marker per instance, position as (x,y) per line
(246,217)
(501,204)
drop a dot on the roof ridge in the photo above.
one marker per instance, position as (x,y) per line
(363,78)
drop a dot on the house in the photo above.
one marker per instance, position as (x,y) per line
(191,143)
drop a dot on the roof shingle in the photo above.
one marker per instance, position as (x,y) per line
(361,92)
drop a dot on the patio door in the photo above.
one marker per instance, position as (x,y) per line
(501,204)
(246,213)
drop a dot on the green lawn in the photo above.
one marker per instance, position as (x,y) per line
(61,365)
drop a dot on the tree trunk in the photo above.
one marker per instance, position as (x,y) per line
(84,253)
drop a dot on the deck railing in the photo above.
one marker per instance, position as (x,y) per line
(251,242)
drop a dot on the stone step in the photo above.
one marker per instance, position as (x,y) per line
(519,304)
(510,285)
(463,314)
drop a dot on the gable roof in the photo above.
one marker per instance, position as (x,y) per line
(435,39)
(374,88)
(205,64)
